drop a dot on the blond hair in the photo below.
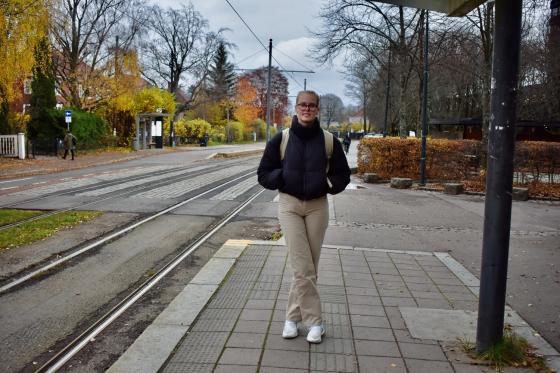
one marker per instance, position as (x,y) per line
(312,93)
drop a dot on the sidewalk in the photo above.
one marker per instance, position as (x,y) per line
(384,311)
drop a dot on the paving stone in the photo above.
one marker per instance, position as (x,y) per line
(397,301)
(366,310)
(240,356)
(359,283)
(404,336)
(276,328)
(335,319)
(377,348)
(338,331)
(285,359)
(213,325)
(334,346)
(434,303)
(235,369)
(361,291)
(422,351)
(338,308)
(460,296)
(260,304)
(332,362)
(427,294)
(276,342)
(379,364)
(279,315)
(370,321)
(330,280)
(395,293)
(412,272)
(243,326)
(361,299)
(464,305)
(429,286)
(257,315)
(246,340)
(281,370)
(188,368)
(395,318)
(357,276)
(427,366)
(373,334)
(417,280)
(386,278)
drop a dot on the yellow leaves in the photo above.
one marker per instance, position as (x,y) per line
(150,100)
(22,24)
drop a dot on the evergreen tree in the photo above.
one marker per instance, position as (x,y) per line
(222,75)
(43,99)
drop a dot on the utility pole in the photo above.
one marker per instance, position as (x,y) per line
(305,84)
(269,93)
(499,179)
(424,106)
(387,88)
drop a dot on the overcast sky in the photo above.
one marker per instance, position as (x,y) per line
(287,23)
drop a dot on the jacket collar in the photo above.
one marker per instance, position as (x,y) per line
(305,132)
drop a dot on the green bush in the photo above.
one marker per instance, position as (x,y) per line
(195,129)
(91,130)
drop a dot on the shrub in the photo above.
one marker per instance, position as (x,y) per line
(90,129)
(395,157)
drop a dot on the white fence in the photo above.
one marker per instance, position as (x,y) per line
(12,146)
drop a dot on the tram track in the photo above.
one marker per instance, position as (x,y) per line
(190,172)
(14,283)
(72,348)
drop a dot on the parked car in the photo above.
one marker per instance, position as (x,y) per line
(373,135)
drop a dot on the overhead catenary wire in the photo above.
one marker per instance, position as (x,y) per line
(262,44)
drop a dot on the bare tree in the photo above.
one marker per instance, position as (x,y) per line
(367,28)
(331,108)
(179,50)
(361,76)
(83,31)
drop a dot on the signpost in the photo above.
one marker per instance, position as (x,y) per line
(68,117)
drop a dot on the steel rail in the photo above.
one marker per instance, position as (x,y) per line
(57,361)
(102,199)
(109,237)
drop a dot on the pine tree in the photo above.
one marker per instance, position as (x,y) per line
(43,99)
(222,75)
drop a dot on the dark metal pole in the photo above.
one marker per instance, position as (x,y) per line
(501,144)
(387,90)
(269,93)
(424,106)
(305,84)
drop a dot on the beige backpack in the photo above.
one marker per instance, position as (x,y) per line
(328,144)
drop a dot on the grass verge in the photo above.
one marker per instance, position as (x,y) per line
(39,229)
(512,350)
(10,216)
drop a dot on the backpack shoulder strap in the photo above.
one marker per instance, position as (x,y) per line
(284,142)
(329,138)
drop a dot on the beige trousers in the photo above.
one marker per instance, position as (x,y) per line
(304,224)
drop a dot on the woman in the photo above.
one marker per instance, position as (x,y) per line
(303,177)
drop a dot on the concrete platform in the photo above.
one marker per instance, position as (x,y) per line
(384,311)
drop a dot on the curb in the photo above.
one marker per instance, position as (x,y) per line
(153,347)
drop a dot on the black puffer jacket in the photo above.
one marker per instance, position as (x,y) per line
(302,172)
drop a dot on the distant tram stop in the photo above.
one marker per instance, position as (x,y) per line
(149,131)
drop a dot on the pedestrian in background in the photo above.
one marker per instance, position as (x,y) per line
(347,142)
(304,176)
(69,144)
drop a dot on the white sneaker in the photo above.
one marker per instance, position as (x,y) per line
(315,334)
(290,329)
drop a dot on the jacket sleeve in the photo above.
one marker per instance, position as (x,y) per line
(270,169)
(339,171)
